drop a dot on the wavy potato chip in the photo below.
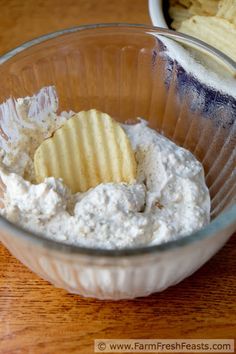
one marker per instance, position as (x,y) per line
(196,9)
(186,3)
(89,149)
(178,14)
(227,10)
(217,32)
(210,6)
(199,7)
(204,7)
(213,21)
(184,9)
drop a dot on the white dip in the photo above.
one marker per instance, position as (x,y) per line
(168,200)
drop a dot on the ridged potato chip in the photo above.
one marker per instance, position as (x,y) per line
(178,14)
(217,32)
(204,7)
(186,3)
(181,10)
(213,21)
(227,10)
(89,149)
(210,6)
(196,9)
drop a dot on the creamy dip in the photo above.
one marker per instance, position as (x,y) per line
(168,200)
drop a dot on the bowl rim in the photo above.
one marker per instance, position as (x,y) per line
(156,13)
(223,221)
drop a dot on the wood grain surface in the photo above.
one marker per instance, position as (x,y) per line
(22,20)
(38,318)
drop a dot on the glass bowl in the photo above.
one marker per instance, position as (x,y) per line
(129,71)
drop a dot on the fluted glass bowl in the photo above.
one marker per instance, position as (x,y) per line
(129,71)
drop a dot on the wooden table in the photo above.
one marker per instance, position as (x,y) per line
(38,318)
